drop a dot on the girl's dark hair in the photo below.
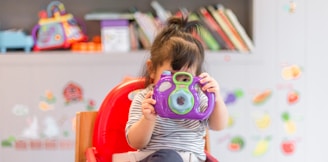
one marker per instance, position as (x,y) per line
(176,43)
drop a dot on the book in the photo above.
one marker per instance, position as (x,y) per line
(183,12)
(161,12)
(147,24)
(198,37)
(204,33)
(134,40)
(239,28)
(220,18)
(145,43)
(215,29)
(221,12)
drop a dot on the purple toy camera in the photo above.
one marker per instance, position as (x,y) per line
(177,97)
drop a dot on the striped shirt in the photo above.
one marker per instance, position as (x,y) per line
(182,135)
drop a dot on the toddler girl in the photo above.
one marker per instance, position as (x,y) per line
(174,49)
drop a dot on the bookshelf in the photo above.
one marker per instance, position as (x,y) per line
(27,14)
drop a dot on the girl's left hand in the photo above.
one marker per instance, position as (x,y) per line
(209,83)
(219,117)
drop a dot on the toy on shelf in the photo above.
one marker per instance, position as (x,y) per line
(92,46)
(56,29)
(15,39)
(177,97)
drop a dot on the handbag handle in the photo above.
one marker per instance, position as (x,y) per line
(55,6)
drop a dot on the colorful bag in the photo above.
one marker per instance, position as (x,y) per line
(56,29)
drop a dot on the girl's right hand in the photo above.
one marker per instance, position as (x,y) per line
(148,109)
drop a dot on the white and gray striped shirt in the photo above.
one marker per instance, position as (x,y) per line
(179,134)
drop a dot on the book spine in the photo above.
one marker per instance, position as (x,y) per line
(183,12)
(133,36)
(147,24)
(234,20)
(143,38)
(221,12)
(226,29)
(198,37)
(162,14)
(204,33)
(216,29)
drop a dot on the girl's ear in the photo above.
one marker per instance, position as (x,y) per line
(150,69)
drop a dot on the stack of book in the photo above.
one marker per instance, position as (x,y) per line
(219,28)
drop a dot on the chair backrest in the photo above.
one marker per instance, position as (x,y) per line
(109,129)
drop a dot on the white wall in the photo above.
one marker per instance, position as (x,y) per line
(282,39)
(317,79)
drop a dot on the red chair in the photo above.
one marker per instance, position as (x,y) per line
(100,135)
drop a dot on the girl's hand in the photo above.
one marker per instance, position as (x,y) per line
(148,107)
(218,120)
(209,84)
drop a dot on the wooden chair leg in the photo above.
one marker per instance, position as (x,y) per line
(84,128)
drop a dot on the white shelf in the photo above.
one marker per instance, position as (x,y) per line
(117,58)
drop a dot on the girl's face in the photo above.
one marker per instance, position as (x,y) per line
(156,74)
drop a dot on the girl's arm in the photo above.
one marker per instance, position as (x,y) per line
(219,118)
(140,132)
